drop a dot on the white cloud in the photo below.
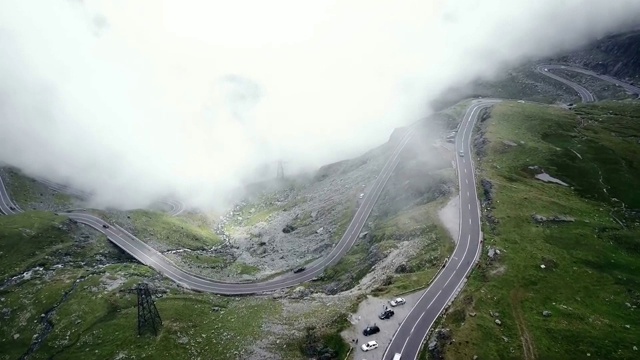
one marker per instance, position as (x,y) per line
(134,99)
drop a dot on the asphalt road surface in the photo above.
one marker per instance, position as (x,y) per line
(152,258)
(411,333)
(410,336)
(584,93)
(413,330)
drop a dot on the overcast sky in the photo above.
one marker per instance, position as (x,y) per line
(135,99)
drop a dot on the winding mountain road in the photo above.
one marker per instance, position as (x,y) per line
(410,336)
(152,258)
(412,331)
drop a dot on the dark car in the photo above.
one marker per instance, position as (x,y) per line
(370,330)
(105,226)
(387,314)
(299,270)
(11,208)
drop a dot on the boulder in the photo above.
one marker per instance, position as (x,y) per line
(402,269)
(288,229)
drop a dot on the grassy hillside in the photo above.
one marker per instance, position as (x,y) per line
(27,240)
(77,311)
(584,274)
(173,232)
(30,194)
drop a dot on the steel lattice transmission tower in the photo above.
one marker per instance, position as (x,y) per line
(148,315)
(280,174)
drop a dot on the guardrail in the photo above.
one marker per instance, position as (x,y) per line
(348,353)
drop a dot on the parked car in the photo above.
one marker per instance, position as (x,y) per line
(369,346)
(361,196)
(387,314)
(299,270)
(370,330)
(397,301)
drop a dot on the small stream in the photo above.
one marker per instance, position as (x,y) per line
(47,325)
(18,278)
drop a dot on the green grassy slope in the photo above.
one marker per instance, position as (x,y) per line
(591,279)
(174,232)
(89,315)
(28,239)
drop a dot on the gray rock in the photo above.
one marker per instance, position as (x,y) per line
(538,218)
(288,228)
(498,322)
(300,292)
(402,268)
(432,345)
(320,231)
(546,313)
(558,218)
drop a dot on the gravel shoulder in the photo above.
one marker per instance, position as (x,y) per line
(367,315)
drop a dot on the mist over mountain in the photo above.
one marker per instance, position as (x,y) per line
(134,101)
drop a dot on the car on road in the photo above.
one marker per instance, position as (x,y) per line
(370,330)
(397,356)
(299,270)
(105,226)
(461,153)
(11,208)
(397,301)
(369,346)
(387,314)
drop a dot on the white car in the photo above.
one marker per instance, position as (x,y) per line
(461,153)
(361,196)
(369,346)
(398,301)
